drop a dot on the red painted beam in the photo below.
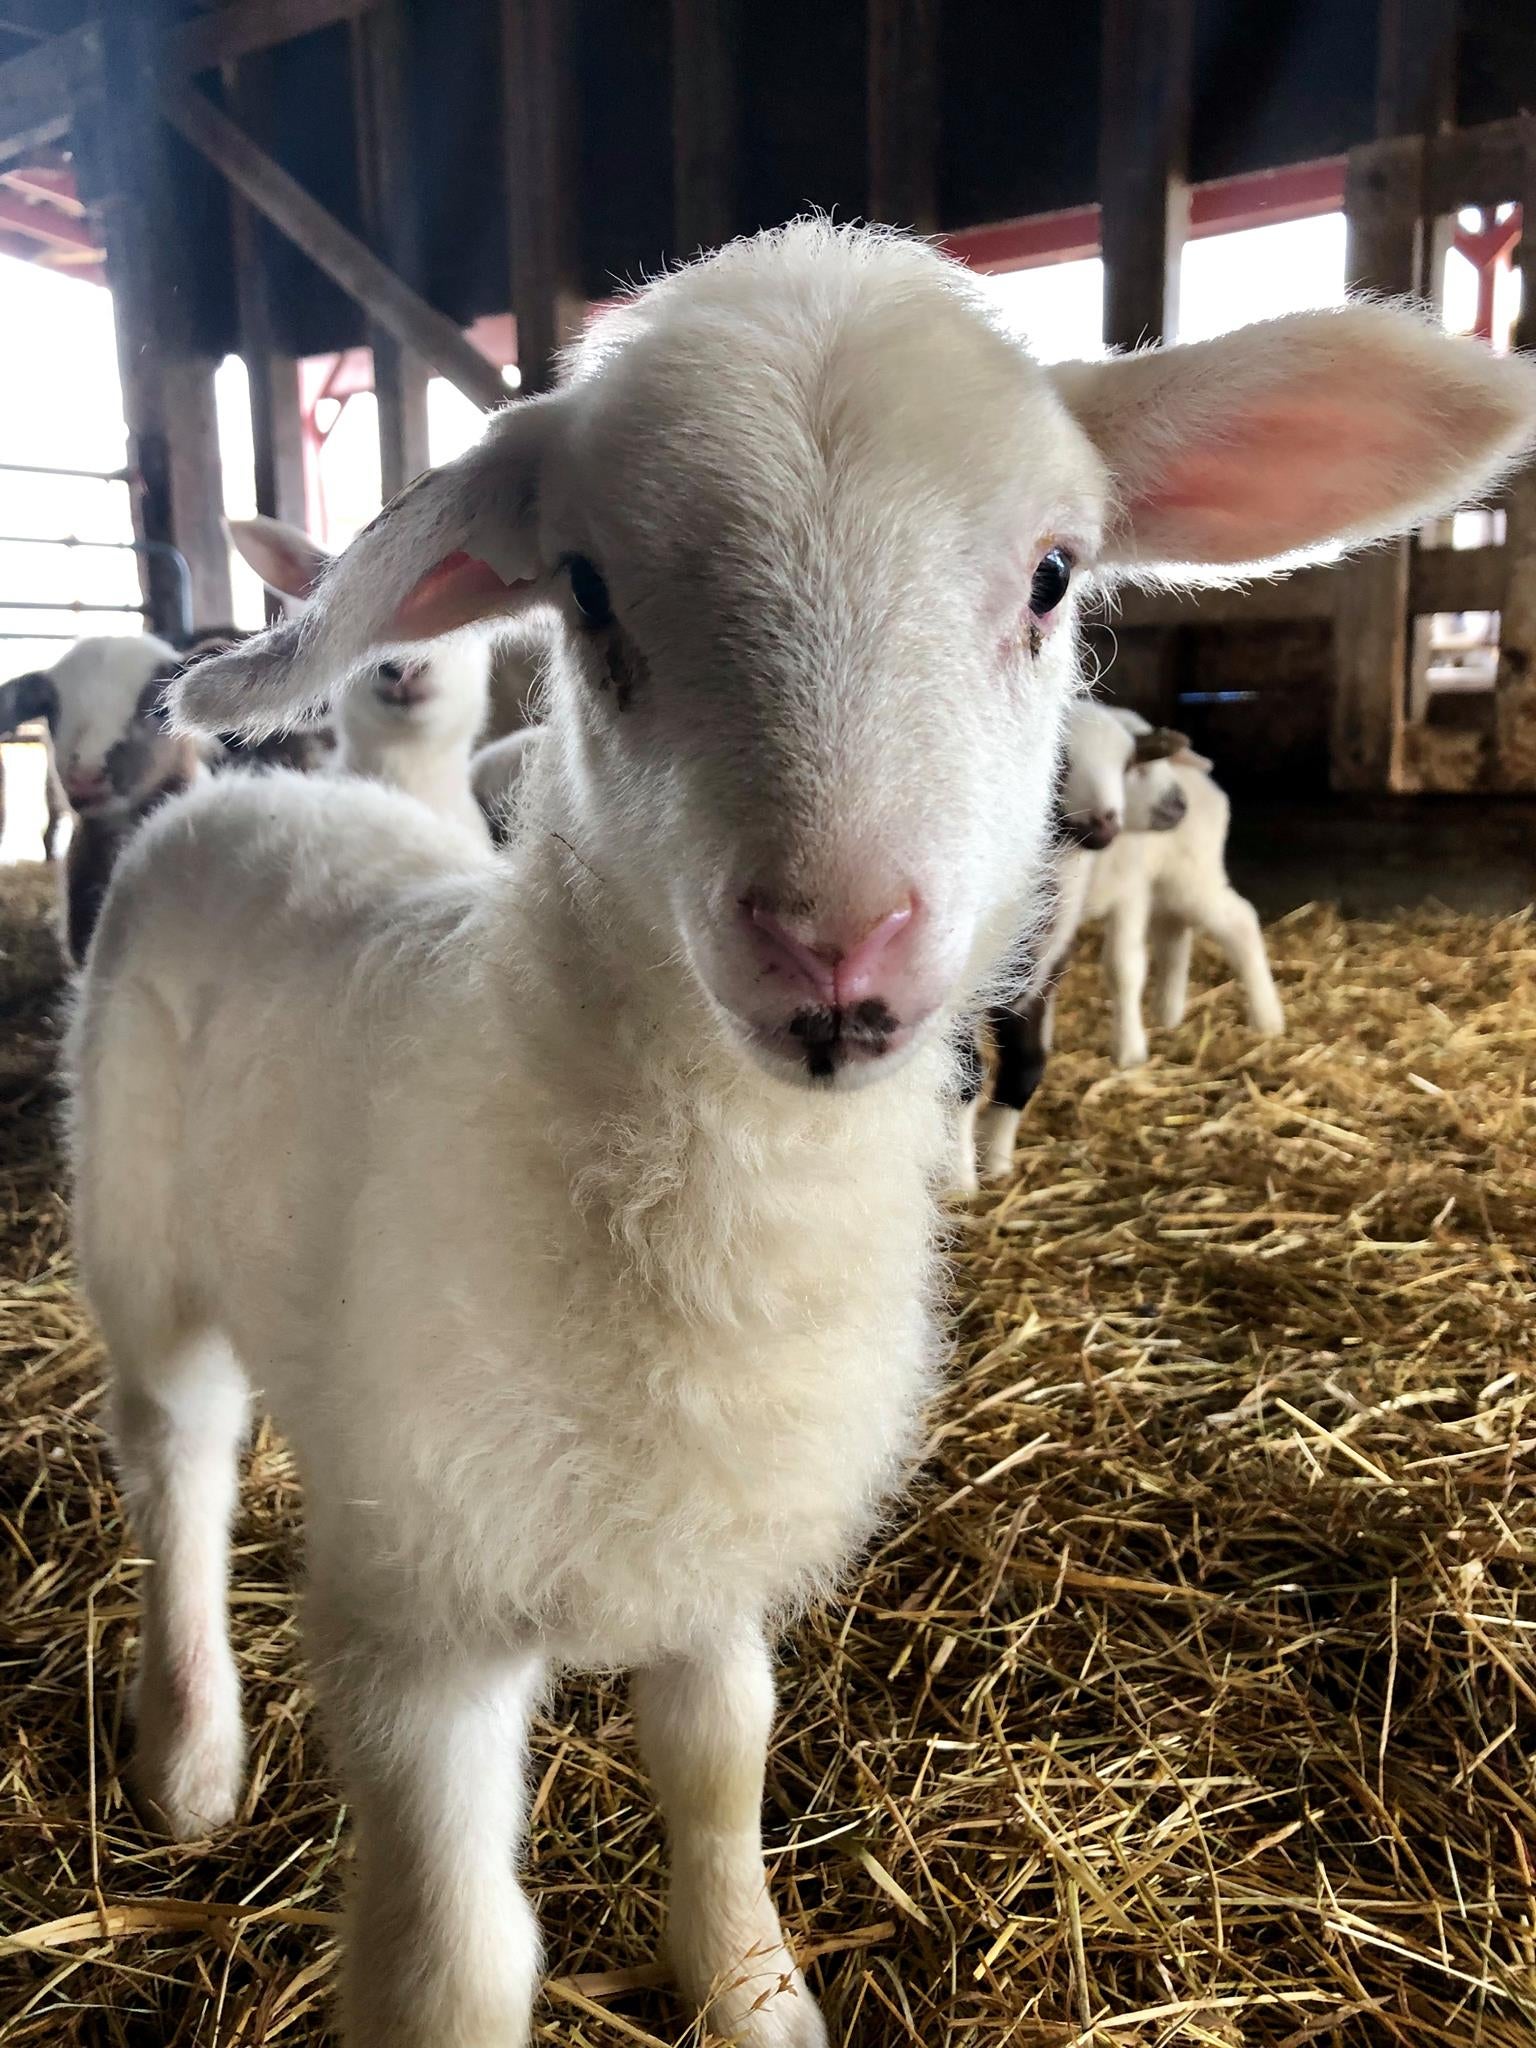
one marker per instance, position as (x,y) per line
(1223,207)
(41,222)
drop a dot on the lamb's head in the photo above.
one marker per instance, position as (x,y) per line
(104,702)
(815,531)
(1154,796)
(1115,777)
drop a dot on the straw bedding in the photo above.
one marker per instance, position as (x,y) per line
(1191,1698)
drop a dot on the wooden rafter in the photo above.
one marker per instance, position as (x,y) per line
(385,297)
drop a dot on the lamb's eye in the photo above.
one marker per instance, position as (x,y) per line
(589,591)
(1050,585)
(390,671)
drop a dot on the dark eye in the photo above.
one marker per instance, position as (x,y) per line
(1050,584)
(590,592)
(390,671)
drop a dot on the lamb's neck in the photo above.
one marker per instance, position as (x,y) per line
(436,772)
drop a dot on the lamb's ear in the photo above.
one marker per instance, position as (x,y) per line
(457,546)
(27,697)
(1188,758)
(1162,743)
(1264,446)
(288,562)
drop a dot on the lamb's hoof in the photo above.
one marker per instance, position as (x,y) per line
(779,2015)
(189,1783)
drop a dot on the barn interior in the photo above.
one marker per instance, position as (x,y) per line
(1189,1696)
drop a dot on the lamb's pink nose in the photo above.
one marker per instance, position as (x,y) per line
(838,961)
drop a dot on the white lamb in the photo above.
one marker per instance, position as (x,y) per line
(582,1237)
(415,724)
(1116,777)
(1153,892)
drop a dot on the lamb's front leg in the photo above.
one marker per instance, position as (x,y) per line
(703,1723)
(442,1949)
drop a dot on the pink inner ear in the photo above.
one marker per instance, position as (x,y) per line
(460,589)
(1290,473)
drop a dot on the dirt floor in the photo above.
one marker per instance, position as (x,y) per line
(1191,1698)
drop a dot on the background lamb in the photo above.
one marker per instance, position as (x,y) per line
(1153,893)
(1116,777)
(606,1312)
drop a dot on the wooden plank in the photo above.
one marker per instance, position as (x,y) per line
(546,298)
(1385,252)
(240,28)
(277,426)
(1143,157)
(168,398)
(336,251)
(38,89)
(706,123)
(903,112)
(386,171)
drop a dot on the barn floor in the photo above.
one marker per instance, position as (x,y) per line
(1192,1700)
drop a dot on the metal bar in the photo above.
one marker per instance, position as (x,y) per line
(67,540)
(50,604)
(100,476)
(173,558)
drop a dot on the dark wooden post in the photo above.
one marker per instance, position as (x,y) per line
(903,112)
(546,298)
(705,123)
(168,402)
(1383,200)
(1415,67)
(386,178)
(1515,692)
(277,428)
(1143,161)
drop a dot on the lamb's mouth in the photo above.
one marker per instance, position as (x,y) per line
(827,1039)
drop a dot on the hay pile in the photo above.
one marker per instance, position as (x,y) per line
(1191,1703)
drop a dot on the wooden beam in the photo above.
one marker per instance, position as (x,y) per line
(903,112)
(546,297)
(1514,739)
(1143,162)
(277,425)
(1386,253)
(1439,580)
(1308,594)
(330,246)
(1456,580)
(168,399)
(706,123)
(38,89)
(1415,67)
(240,28)
(1482,166)
(380,58)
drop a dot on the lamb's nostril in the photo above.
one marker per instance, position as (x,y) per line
(840,960)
